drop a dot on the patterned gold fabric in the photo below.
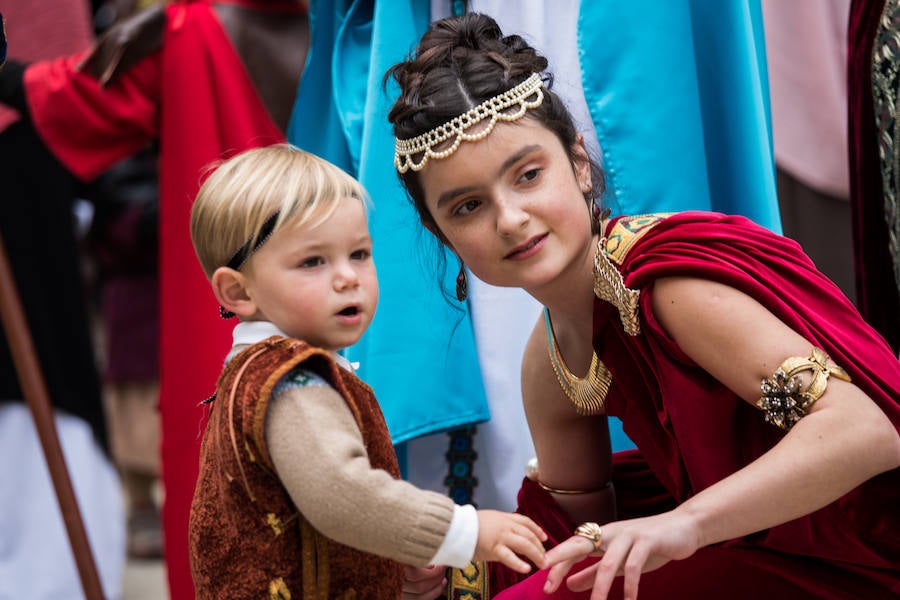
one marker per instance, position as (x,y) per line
(470,583)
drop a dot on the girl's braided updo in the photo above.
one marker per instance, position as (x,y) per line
(459,63)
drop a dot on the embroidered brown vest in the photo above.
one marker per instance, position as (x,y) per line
(247,538)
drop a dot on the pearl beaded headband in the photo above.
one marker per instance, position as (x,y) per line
(493,108)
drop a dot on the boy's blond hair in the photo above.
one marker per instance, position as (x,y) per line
(244,191)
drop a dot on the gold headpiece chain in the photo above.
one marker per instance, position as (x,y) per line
(527,95)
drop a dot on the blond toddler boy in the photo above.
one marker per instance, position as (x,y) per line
(299,492)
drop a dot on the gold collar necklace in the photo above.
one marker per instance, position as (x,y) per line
(587,395)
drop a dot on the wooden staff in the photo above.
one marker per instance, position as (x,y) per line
(35,390)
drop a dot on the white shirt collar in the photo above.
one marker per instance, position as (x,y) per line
(250,332)
(247,333)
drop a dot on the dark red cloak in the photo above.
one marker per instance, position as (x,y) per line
(691,431)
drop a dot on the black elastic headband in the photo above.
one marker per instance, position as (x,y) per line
(243,253)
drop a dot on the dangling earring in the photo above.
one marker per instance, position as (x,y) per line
(598,214)
(462,284)
(225,314)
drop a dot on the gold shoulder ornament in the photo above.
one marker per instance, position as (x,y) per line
(611,251)
(610,286)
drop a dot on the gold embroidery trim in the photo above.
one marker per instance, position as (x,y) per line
(278,590)
(275,523)
(315,567)
(231,428)
(627,231)
(469,583)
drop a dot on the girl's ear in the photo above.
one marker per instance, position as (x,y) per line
(229,287)
(581,163)
(436,232)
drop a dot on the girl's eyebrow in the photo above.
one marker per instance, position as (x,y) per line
(522,153)
(450,194)
(509,162)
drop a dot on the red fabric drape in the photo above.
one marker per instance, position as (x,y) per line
(195,95)
(41,29)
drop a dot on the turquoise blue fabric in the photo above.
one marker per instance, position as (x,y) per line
(419,353)
(678,94)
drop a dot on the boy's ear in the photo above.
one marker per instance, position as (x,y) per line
(229,287)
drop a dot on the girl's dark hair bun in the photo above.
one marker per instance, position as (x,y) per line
(459,63)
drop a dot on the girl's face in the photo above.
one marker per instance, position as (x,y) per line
(512,206)
(316,281)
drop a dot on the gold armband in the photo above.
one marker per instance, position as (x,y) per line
(782,399)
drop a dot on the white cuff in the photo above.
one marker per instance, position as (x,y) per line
(458,546)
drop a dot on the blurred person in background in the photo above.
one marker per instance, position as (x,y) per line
(806,50)
(122,246)
(122,249)
(39,233)
(206,79)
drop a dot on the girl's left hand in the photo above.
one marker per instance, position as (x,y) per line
(628,548)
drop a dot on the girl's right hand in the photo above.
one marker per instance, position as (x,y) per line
(502,536)
(628,548)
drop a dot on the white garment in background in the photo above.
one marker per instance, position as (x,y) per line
(36,560)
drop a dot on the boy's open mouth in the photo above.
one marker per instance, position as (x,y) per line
(349,311)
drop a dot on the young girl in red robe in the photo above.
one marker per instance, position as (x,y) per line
(764,409)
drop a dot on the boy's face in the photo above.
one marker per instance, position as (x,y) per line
(316,282)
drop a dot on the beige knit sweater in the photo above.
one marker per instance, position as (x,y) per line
(319,454)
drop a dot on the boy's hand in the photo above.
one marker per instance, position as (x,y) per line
(424,583)
(502,535)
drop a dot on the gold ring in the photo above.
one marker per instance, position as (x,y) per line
(591,532)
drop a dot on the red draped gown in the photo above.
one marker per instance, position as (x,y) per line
(691,431)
